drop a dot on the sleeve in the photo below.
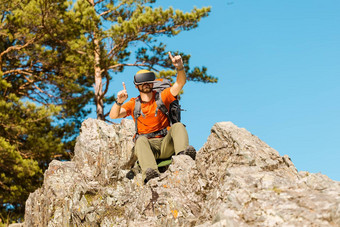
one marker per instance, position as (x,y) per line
(167,97)
(129,106)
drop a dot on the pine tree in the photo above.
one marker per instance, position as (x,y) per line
(42,95)
(51,54)
(113,28)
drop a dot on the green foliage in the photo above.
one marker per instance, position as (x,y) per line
(28,142)
(52,54)
(42,95)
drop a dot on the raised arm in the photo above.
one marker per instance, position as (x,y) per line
(117,111)
(181,76)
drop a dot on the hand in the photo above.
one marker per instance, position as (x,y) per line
(176,61)
(122,95)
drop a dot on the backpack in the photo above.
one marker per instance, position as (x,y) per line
(173,113)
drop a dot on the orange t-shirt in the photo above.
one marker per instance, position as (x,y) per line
(151,123)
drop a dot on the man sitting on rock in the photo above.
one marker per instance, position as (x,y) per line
(155,139)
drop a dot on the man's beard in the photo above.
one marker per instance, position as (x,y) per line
(145,89)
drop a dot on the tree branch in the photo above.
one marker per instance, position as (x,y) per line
(80,52)
(106,87)
(107,114)
(109,11)
(30,81)
(99,1)
(120,65)
(36,100)
(115,49)
(17,71)
(17,47)
(91,2)
(106,12)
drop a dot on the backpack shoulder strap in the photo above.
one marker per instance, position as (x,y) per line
(161,106)
(137,111)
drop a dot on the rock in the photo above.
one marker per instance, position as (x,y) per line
(16,225)
(236,180)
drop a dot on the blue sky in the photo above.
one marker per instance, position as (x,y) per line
(278,64)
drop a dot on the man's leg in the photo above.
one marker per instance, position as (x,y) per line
(175,141)
(145,155)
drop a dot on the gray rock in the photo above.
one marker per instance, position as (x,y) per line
(236,180)
(16,225)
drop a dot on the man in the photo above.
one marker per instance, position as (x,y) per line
(151,141)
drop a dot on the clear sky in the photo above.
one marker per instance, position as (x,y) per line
(278,64)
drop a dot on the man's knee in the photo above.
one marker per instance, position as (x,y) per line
(178,125)
(178,128)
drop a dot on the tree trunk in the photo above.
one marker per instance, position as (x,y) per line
(98,79)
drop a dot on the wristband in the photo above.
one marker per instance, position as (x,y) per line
(180,69)
(119,104)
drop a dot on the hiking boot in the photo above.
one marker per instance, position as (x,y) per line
(150,174)
(191,151)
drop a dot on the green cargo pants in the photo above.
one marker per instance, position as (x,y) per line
(148,150)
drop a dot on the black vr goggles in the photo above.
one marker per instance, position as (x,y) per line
(147,77)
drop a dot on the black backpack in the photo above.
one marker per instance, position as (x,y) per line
(173,114)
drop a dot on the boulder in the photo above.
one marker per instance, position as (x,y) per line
(236,180)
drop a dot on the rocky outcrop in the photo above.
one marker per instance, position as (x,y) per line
(236,180)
